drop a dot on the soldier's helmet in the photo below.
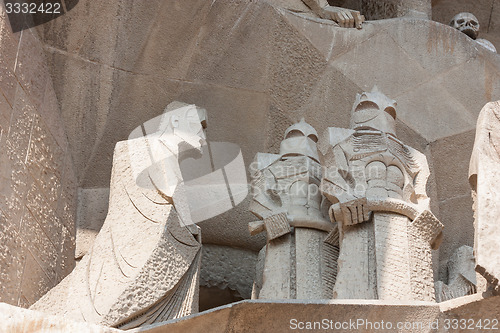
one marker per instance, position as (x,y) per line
(300,139)
(374,110)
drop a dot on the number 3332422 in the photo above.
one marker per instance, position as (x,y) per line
(32,8)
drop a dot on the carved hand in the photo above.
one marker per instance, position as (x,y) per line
(346,18)
(350,212)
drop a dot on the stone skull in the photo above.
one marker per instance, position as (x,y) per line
(466,23)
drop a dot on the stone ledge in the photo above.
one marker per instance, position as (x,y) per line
(283,316)
(14,319)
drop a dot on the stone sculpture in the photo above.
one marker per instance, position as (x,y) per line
(468,24)
(299,260)
(461,276)
(386,9)
(144,264)
(484,179)
(344,17)
(376,185)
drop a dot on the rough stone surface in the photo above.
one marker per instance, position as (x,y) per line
(228,268)
(144,264)
(37,176)
(16,320)
(92,211)
(483,178)
(268,68)
(289,315)
(264,65)
(411,317)
(461,276)
(251,316)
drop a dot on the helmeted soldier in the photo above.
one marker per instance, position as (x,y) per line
(368,169)
(286,196)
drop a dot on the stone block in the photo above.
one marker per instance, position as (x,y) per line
(277,226)
(384,70)
(12,261)
(14,319)
(92,211)
(225,267)
(417,109)
(31,69)
(458,220)
(163,53)
(319,111)
(8,56)
(485,78)
(309,266)
(66,254)
(51,116)
(435,47)
(82,109)
(18,139)
(290,89)
(222,59)
(15,184)
(453,150)
(45,161)
(247,119)
(38,244)
(35,282)
(111,39)
(43,212)
(5,114)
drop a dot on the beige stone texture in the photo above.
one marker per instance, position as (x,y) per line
(453,193)
(421,317)
(377,10)
(16,320)
(37,176)
(253,316)
(386,9)
(144,264)
(268,68)
(474,308)
(288,315)
(462,279)
(92,211)
(483,178)
(223,267)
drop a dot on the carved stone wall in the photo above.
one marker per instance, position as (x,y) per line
(37,180)
(257,69)
(377,10)
(385,9)
(486,11)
